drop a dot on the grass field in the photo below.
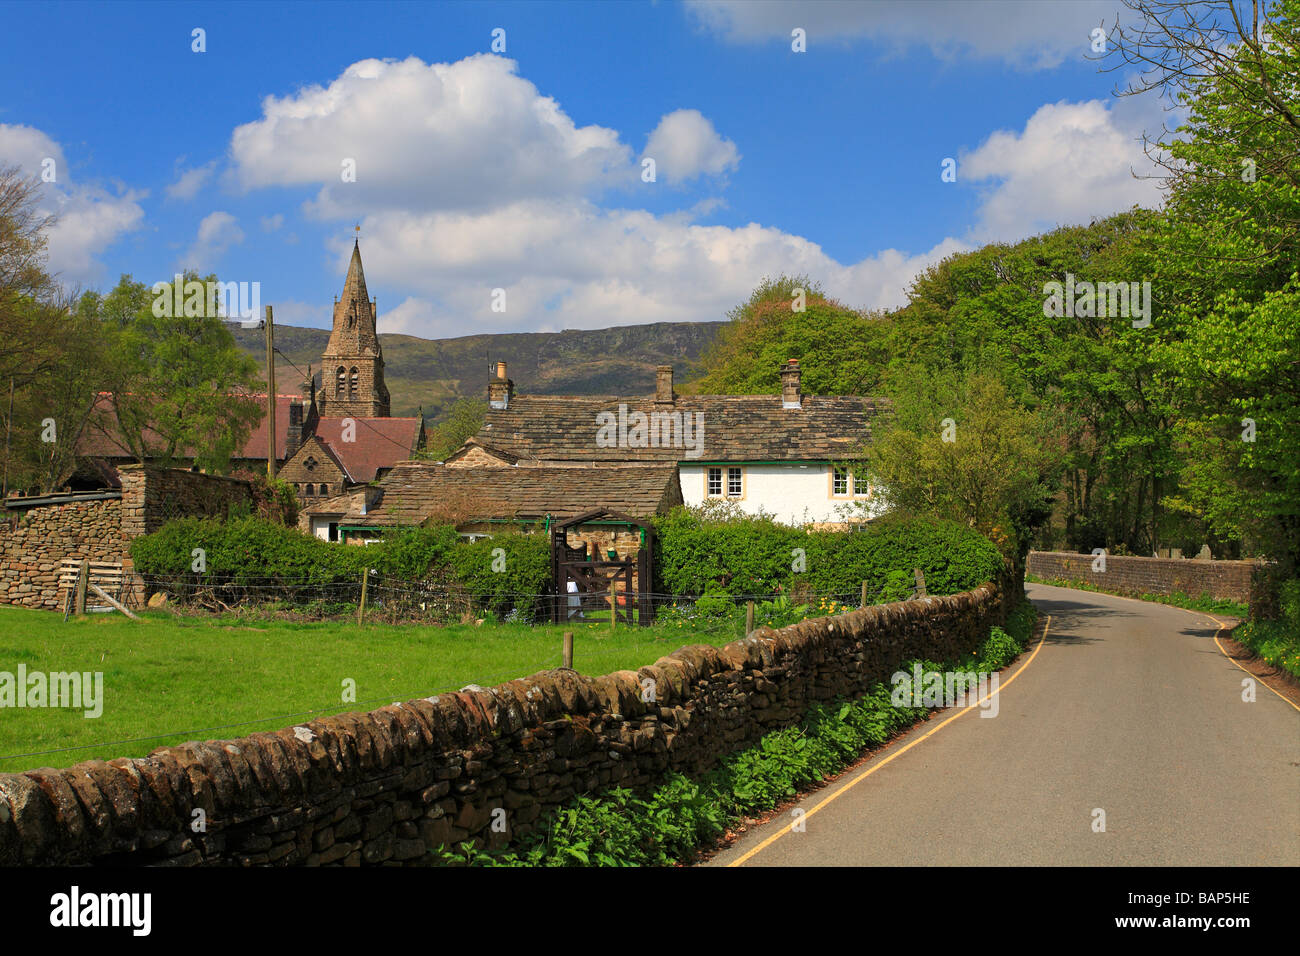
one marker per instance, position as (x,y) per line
(168,680)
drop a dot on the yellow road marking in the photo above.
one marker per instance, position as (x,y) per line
(897,753)
(1187,610)
(1254,677)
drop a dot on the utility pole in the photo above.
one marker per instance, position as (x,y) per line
(270,395)
(4,489)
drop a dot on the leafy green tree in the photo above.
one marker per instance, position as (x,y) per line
(463,422)
(841,350)
(1093,375)
(1228,247)
(958,446)
(180,386)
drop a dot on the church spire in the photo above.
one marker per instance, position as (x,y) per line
(353,364)
(355,297)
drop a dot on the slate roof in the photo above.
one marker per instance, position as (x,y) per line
(380,443)
(735,428)
(409,494)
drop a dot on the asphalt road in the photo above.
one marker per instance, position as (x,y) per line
(1126,707)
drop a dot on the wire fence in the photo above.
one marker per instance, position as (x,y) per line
(380,597)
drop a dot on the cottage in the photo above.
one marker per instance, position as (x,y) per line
(795,456)
(481,501)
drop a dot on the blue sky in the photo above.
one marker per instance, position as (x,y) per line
(522,170)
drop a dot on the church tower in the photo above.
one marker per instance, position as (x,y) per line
(352,377)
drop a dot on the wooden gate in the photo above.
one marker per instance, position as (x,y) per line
(105,574)
(583,581)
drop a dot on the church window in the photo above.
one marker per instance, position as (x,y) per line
(324,489)
(341,383)
(352,388)
(311,492)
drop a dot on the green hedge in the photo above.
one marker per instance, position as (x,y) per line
(244,551)
(753,555)
(252,553)
(696,555)
(526,563)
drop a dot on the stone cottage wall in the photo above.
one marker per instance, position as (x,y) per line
(385,787)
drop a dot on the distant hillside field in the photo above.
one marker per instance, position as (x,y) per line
(433,373)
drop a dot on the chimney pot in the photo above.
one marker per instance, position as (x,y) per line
(790,394)
(500,389)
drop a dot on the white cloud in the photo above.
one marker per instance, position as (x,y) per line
(1028,35)
(1072,162)
(272,223)
(685,145)
(89,218)
(466,135)
(189,183)
(574,265)
(487,184)
(217,232)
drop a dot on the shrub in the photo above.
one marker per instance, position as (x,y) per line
(525,563)
(243,551)
(253,553)
(411,553)
(748,555)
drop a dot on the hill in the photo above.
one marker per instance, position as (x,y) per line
(433,373)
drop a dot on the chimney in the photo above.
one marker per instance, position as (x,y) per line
(790,397)
(664,385)
(308,389)
(500,389)
(294,438)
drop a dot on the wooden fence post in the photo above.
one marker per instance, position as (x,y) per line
(361,608)
(749,617)
(920,584)
(83,581)
(864,595)
(568,650)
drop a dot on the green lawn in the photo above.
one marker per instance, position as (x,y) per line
(178,679)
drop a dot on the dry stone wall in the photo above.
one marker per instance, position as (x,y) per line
(99,526)
(385,787)
(1222,580)
(35,540)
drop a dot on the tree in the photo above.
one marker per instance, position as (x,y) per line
(958,446)
(50,357)
(842,350)
(463,422)
(179,385)
(1229,244)
(1088,370)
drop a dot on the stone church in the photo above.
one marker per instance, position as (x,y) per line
(344,436)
